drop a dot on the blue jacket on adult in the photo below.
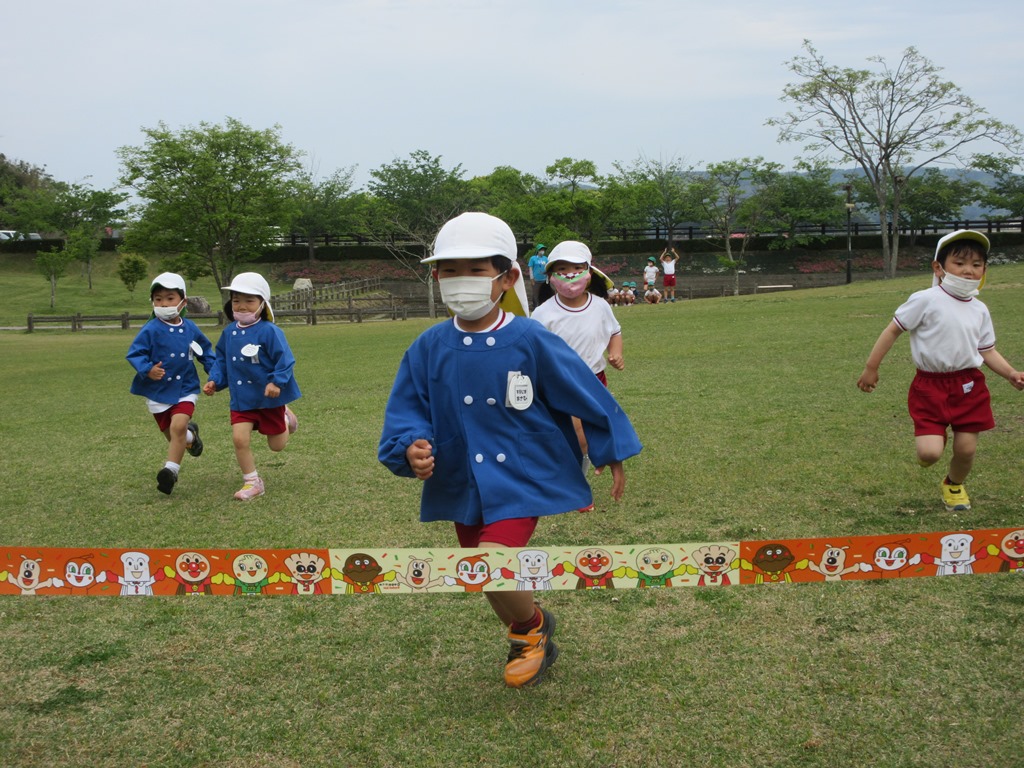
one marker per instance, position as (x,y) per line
(176,346)
(500,452)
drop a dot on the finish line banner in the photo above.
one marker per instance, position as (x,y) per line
(124,572)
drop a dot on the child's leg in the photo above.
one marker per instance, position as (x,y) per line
(930,448)
(241,436)
(176,436)
(278,442)
(965,445)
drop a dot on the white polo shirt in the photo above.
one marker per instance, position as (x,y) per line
(946,333)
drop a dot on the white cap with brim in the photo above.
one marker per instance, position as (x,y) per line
(960,234)
(575,252)
(473,235)
(253,284)
(169,280)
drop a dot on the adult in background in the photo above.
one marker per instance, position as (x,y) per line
(538,265)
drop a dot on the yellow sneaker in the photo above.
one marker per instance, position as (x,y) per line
(955,497)
(531,653)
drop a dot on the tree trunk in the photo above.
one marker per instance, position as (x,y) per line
(888,265)
(431,308)
(53,290)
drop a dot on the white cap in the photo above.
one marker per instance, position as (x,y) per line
(961,234)
(168,280)
(251,283)
(575,252)
(571,251)
(473,235)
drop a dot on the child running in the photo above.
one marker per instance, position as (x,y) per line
(481,411)
(163,355)
(951,335)
(255,363)
(579,315)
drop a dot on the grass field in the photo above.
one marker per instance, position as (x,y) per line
(752,428)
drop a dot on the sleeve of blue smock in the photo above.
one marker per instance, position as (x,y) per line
(406,417)
(217,372)
(140,352)
(208,356)
(567,384)
(282,357)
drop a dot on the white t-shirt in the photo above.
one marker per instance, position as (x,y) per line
(650,273)
(946,333)
(587,329)
(669,266)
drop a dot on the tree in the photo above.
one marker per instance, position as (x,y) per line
(935,196)
(52,264)
(891,123)
(575,189)
(654,192)
(1006,194)
(132,268)
(214,191)
(734,195)
(411,199)
(804,197)
(322,206)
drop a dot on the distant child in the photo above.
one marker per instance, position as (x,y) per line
(650,272)
(256,364)
(163,355)
(669,257)
(613,295)
(628,294)
(481,411)
(652,295)
(578,313)
(951,335)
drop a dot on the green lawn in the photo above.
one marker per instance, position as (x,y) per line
(752,428)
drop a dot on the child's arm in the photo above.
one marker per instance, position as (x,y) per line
(139,357)
(615,359)
(869,378)
(999,365)
(618,478)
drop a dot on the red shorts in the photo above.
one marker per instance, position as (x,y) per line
(602,378)
(670,281)
(511,533)
(266,421)
(163,419)
(959,399)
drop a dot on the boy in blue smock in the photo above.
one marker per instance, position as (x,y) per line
(163,355)
(255,363)
(481,411)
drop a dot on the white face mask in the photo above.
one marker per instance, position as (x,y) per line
(960,287)
(168,313)
(468,297)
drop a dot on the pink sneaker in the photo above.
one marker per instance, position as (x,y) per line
(251,490)
(292,420)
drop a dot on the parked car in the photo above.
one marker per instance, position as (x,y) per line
(11,234)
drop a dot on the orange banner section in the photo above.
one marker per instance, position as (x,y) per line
(146,572)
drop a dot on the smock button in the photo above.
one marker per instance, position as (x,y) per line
(468,399)
(239,382)
(467,340)
(500,457)
(479,458)
(491,401)
(490,341)
(177,378)
(234,333)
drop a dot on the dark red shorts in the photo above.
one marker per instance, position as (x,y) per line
(670,281)
(602,378)
(266,421)
(163,420)
(511,533)
(959,399)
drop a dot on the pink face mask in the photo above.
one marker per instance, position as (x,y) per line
(248,318)
(572,285)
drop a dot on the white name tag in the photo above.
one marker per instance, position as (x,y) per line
(968,387)
(519,394)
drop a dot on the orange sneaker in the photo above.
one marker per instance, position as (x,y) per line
(531,653)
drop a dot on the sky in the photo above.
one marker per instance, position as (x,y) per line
(356,84)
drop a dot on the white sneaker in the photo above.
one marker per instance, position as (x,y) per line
(250,490)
